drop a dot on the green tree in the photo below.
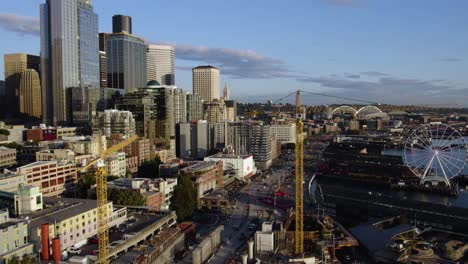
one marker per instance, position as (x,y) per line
(126,197)
(26,259)
(184,200)
(150,168)
(14,260)
(85,181)
(4,132)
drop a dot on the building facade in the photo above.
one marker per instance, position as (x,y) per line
(117,122)
(69,54)
(160,64)
(7,157)
(126,61)
(141,105)
(14,238)
(121,23)
(284,133)
(206,176)
(52,177)
(194,107)
(83,103)
(192,140)
(214,111)
(117,164)
(206,82)
(15,64)
(29,93)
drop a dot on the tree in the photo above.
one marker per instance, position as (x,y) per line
(4,132)
(149,168)
(126,197)
(85,181)
(26,259)
(184,200)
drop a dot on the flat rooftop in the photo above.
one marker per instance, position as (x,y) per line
(229,156)
(7,224)
(199,166)
(58,209)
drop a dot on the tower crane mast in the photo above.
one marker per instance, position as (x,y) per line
(299,164)
(101,193)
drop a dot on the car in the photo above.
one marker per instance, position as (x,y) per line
(73,250)
(95,252)
(347,257)
(93,240)
(252,227)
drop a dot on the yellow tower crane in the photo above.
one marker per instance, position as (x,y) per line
(299,152)
(101,193)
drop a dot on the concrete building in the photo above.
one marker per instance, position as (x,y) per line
(157,192)
(69,54)
(24,200)
(240,167)
(206,176)
(251,137)
(116,164)
(140,150)
(194,107)
(192,140)
(231,110)
(9,181)
(206,82)
(55,154)
(73,220)
(284,132)
(15,64)
(29,93)
(117,122)
(14,241)
(214,111)
(160,64)
(52,177)
(217,136)
(7,156)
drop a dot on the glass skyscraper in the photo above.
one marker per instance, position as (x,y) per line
(69,54)
(126,61)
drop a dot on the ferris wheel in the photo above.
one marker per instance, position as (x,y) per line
(435,152)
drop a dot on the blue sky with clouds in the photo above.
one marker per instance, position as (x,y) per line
(390,51)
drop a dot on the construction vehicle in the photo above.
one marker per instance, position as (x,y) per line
(101,193)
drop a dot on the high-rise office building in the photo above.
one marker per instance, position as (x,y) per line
(29,93)
(170,108)
(214,111)
(160,64)
(194,107)
(69,54)
(206,82)
(121,23)
(141,104)
(231,110)
(102,69)
(14,65)
(116,122)
(83,105)
(192,140)
(126,61)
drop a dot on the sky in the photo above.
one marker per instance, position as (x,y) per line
(386,51)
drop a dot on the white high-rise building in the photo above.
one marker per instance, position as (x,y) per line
(206,82)
(160,64)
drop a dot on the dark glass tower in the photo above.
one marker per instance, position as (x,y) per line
(121,23)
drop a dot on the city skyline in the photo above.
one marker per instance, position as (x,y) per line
(398,52)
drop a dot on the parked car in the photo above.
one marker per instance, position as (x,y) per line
(74,250)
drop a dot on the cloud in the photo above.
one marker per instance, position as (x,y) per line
(374,73)
(393,90)
(450,59)
(236,63)
(23,25)
(353,76)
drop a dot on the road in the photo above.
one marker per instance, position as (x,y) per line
(248,208)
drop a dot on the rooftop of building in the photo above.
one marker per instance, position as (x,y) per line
(5,149)
(59,209)
(205,67)
(7,224)
(229,156)
(199,166)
